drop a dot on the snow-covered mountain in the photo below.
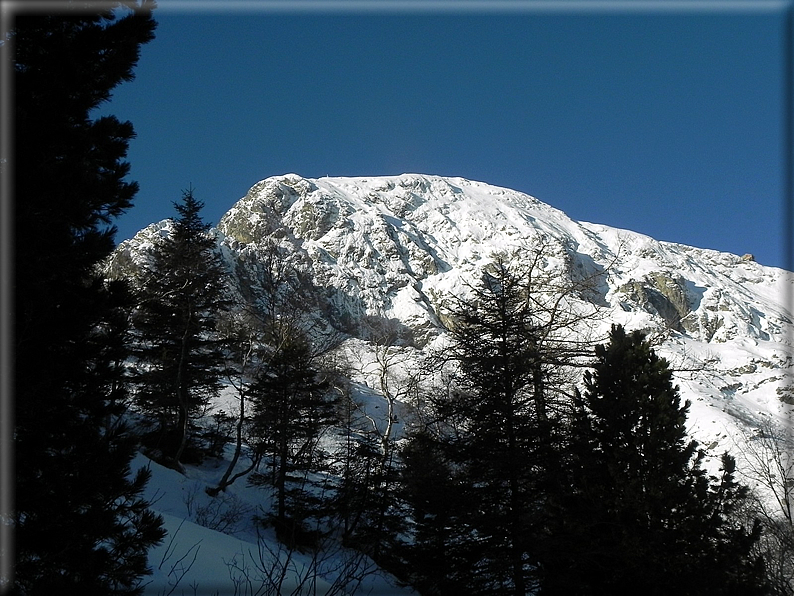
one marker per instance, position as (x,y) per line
(397,247)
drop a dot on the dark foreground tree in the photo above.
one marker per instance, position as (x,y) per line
(81,525)
(291,409)
(499,428)
(432,486)
(643,516)
(181,357)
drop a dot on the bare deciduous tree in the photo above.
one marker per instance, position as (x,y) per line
(766,457)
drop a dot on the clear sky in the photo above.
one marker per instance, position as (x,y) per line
(665,119)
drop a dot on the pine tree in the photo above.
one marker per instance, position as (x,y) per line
(431,486)
(80,522)
(643,516)
(356,464)
(368,510)
(181,359)
(291,409)
(511,347)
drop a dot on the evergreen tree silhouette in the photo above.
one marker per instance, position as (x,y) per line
(291,409)
(643,516)
(505,419)
(80,523)
(182,296)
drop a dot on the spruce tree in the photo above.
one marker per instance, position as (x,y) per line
(643,516)
(80,522)
(181,358)
(367,507)
(510,351)
(358,493)
(431,486)
(291,410)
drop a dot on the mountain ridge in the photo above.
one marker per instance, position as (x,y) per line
(395,246)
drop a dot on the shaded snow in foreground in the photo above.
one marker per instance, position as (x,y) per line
(194,559)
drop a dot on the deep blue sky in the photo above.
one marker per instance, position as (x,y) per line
(668,123)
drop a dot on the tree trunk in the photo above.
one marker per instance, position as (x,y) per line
(281,481)
(238,448)
(516,506)
(183,394)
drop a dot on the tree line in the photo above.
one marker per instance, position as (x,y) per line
(534,460)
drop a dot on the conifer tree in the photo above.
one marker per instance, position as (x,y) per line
(80,523)
(357,464)
(182,296)
(643,516)
(291,408)
(366,503)
(511,347)
(431,486)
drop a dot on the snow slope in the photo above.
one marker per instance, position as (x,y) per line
(213,547)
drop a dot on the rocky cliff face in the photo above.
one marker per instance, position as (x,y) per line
(397,247)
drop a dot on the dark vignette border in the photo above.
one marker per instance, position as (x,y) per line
(8,8)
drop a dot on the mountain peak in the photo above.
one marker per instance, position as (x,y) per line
(396,247)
